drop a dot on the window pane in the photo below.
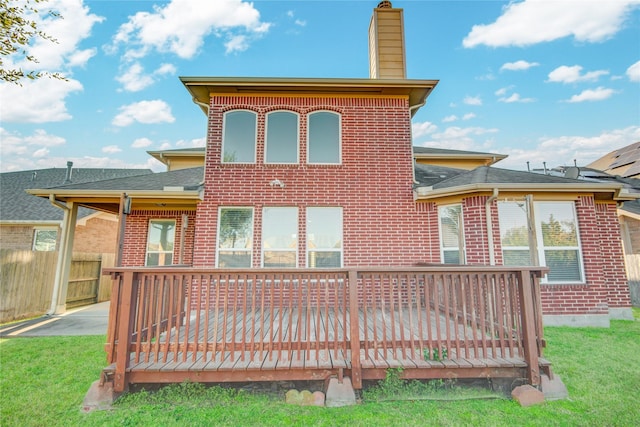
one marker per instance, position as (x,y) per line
(558,224)
(564,265)
(514,230)
(279,237)
(452,257)
(279,259)
(234,259)
(236,228)
(239,141)
(324,259)
(160,242)
(324,228)
(324,138)
(282,137)
(516,257)
(161,235)
(45,240)
(450,217)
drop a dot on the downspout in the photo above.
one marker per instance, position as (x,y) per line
(487,207)
(413,161)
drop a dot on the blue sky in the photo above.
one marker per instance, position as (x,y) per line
(540,81)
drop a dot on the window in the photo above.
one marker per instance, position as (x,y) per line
(323,142)
(160,242)
(556,244)
(239,139)
(451,234)
(324,237)
(45,239)
(235,237)
(282,137)
(279,237)
(514,233)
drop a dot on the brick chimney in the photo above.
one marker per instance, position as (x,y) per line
(386,43)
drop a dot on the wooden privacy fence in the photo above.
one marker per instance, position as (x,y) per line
(174,324)
(27,279)
(632,263)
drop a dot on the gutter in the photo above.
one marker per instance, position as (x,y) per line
(487,207)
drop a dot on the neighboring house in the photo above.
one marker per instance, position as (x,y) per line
(33,223)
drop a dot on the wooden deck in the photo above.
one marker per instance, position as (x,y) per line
(257,325)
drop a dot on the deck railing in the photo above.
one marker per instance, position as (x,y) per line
(199,319)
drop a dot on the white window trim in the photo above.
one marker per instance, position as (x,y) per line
(297,249)
(541,248)
(36,230)
(253,224)
(308,251)
(339,137)
(255,142)
(462,249)
(266,139)
(147,251)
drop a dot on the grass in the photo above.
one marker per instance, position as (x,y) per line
(43,382)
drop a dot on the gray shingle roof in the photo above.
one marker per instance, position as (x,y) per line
(428,176)
(190,179)
(18,205)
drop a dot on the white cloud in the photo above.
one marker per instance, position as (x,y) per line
(196,142)
(421,129)
(300,23)
(37,101)
(518,65)
(111,149)
(472,100)
(134,78)
(16,144)
(43,152)
(451,118)
(238,43)
(535,21)
(562,150)
(468,116)
(459,138)
(566,74)
(180,28)
(76,25)
(515,97)
(502,91)
(597,94)
(633,72)
(141,143)
(147,112)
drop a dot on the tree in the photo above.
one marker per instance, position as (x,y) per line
(19,31)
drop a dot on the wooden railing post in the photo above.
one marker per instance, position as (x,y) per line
(529,327)
(114,304)
(127,311)
(354,321)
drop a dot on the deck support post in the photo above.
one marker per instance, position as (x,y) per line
(530,338)
(354,332)
(125,328)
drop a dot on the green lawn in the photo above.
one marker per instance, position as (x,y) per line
(43,382)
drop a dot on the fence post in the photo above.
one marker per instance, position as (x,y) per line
(126,313)
(354,321)
(529,326)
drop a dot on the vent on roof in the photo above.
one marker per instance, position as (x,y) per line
(67,178)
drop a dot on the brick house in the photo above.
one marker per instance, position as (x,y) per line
(315,173)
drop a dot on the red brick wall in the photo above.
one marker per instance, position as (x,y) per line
(97,235)
(17,237)
(380,219)
(136,230)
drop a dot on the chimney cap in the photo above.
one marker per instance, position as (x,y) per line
(385,5)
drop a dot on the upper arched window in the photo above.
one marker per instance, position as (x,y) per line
(323,142)
(239,137)
(281,145)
